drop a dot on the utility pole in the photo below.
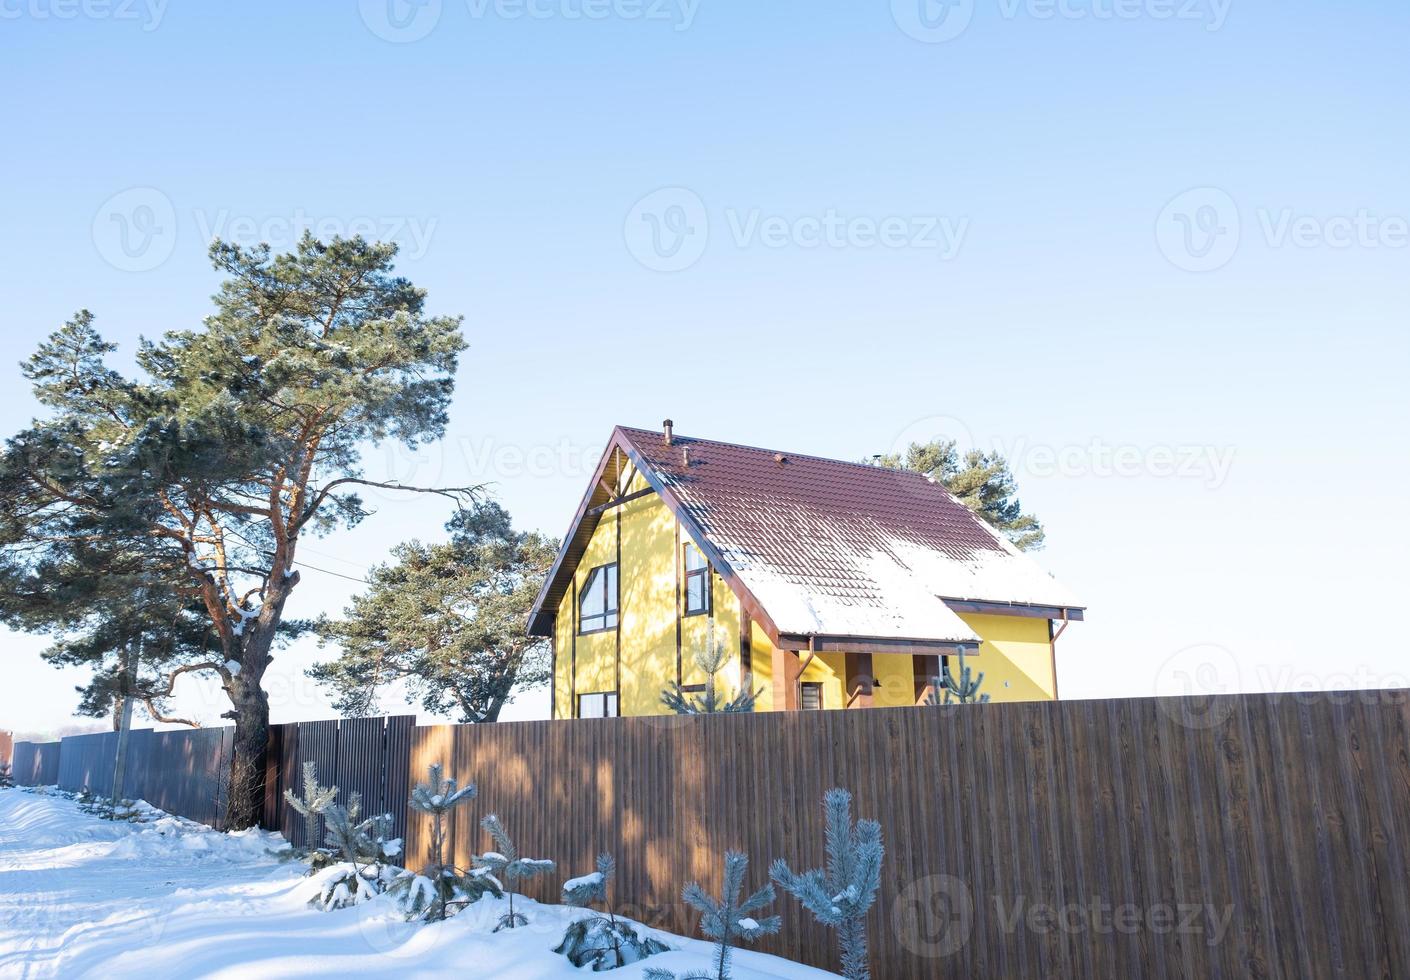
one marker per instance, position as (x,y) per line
(129,690)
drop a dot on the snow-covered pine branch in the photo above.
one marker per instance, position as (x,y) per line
(840,896)
(509,867)
(603,941)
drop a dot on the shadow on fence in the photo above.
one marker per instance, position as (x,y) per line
(1264,835)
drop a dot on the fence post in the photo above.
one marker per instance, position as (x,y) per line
(129,685)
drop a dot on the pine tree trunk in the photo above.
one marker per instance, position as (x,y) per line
(245,803)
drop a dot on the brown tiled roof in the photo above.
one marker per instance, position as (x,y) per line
(829,547)
(843,548)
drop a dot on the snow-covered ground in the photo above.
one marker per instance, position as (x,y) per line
(81,897)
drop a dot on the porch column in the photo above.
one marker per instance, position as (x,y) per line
(786,668)
(926,667)
(860,680)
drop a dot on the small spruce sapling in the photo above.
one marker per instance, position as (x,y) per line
(312,804)
(840,896)
(965,690)
(6,780)
(601,940)
(506,867)
(364,872)
(726,919)
(711,659)
(430,894)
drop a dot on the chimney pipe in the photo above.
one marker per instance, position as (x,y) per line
(667,431)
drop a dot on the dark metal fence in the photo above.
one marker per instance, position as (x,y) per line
(36,763)
(366,755)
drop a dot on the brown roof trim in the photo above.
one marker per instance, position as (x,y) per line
(874,644)
(585,522)
(989,607)
(574,544)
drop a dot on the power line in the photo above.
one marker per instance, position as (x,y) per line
(325,571)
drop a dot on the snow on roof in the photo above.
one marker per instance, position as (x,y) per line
(844,549)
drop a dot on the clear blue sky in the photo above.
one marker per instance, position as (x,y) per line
(1154,249)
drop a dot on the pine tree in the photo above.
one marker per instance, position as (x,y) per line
(840,896)
(315,800)
(6,779)
(965,690)
(980,481)
(601,940)
(239,438)
(508,868)
(440,886)
(711,659)
(447,620)
(726,919)
(365,851)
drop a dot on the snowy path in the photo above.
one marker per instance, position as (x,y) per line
(81,897)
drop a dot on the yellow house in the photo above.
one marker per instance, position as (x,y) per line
(833,584)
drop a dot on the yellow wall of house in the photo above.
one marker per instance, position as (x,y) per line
(647,580)
(1015,655)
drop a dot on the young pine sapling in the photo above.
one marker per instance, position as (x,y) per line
(602,940)
(711,659)
(840,896)
(726,919)
(429,895)
(965,690)
(507,868)
(365,871)
(312,804)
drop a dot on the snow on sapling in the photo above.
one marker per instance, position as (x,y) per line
(365,870)
(6,780)
(508,868)
(711,660)
(600,939)
(840,896)
(432,893)
(726,919)
(311,805)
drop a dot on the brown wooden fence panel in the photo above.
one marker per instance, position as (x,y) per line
(7,747)
(1252,835)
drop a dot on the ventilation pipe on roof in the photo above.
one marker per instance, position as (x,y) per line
(668,431)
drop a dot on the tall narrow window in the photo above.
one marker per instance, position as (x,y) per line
(811,698)
(697,581)
(597,607)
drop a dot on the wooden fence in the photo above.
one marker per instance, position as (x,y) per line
(7,747)
(1250,835)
